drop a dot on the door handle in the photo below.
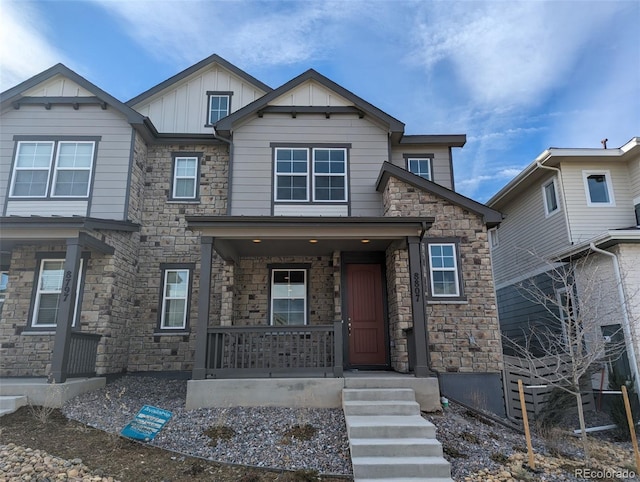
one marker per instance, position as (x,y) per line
(349,325)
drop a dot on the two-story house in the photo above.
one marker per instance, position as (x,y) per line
(213,224)
(580,208)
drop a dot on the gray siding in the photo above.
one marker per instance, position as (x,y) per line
(442,170)
(253,163)
(589,221)
(183,107)
(634,177)
(526,230)
(113,151)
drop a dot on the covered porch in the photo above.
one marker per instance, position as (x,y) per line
(357,299)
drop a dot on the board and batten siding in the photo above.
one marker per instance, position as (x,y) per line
(311,93)
(589,221)
(184,107)
(526,229)
(252,178)
(57,86)
(112,162)
(441,165)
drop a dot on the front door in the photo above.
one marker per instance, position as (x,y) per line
(366,327)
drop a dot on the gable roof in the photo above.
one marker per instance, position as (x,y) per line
(491,217)
(14,95)
(226,124)
(212,59)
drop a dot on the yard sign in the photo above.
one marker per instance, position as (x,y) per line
(147,423)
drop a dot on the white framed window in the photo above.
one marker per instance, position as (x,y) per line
(494,240)
(31,169)
(420,167)
(292,174)
(48,291)
(34,167)
(175,299)
(550,197)
(219,105)
(329,174)
(185,178)
(598,188)
(443,270)
(74,163)
(288,296)
(4,283)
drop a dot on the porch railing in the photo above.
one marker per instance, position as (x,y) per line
(272,351)
(83,350)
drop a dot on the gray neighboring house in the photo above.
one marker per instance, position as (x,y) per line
(217,226)
(568,204)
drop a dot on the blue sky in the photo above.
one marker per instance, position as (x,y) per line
(515,77)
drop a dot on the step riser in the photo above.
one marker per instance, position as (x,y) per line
(391,431)
(403,394)
(376,471)
(374,409)
(403,450)
(12,403)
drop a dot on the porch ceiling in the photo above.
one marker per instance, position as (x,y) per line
(243,236)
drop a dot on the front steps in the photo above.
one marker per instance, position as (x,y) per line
(389,439)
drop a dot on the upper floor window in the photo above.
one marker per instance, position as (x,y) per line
(185,176)
(420,166)
(444,270)
(219,106)
(319,169)
(37,175)
(598,188)
(550,197)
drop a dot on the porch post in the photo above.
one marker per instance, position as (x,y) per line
(199,364)
(337,356)
(421,368)
(66,309)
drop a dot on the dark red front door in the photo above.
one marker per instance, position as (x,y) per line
(367,344)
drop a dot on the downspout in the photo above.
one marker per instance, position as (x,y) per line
(230,174)
(625,315)
(564,198)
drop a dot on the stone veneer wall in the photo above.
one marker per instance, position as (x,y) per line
(450,324)
(251,300)
(165,238)
(399,305)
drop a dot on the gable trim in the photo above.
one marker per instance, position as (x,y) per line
(490,216)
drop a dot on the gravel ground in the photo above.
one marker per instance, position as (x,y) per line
(260,433)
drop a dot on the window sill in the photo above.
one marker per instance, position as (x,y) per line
(171,333)
(448,302)
(185,201)
(38,332)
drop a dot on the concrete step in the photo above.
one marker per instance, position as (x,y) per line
(389,426)
(397,467)
(11,403)
(384,447)
(386,407)
(369,394)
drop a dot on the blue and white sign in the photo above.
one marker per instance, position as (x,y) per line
(147,423)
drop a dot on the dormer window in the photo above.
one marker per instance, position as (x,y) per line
(219,106)
(420,165)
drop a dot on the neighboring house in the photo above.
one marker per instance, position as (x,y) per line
(215,225)
(568,204)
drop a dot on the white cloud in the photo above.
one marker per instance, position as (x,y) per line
(24,47)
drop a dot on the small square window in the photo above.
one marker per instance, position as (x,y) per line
(550,197)
(598,188)
(420,167)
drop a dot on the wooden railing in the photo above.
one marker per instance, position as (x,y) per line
(274,351)
(83,349)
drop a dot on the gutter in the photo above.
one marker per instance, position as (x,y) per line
(228,141)
(625,314)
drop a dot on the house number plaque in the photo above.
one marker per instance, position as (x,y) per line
(66,288)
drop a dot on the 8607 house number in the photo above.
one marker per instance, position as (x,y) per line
(416,286)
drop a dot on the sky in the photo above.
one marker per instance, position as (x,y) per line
(516,77)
